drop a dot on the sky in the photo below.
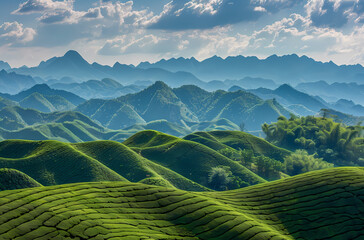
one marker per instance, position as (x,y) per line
(132,31)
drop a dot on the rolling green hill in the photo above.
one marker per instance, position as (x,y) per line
(318,205)
(162,126)
(218,140)
(190,159)
(53,163)
(13,179)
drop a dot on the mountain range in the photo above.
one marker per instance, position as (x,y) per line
(45,99)
(106,88)
(282,69)
(74,66)
(182,105)
(12,83)
(217,72)
(4,65)
(335,91)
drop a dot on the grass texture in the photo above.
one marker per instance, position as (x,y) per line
(326,204)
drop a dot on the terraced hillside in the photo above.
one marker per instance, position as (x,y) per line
(326,204)
(238,140)
(190,159)
(14,179)
(53,163)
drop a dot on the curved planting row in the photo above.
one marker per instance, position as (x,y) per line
(325,204)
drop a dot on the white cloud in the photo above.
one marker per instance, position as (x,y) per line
(14,32)
(334,13)
(39,6)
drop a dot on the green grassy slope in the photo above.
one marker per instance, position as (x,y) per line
(6,102)
(13,179)
(160,125)
(51,163)
(218,140)
(134,167)
(190,159)
(318,205)
(37,101)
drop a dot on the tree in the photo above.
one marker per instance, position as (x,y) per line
(300,162)
(219,177)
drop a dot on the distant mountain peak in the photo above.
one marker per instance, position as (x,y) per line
(285,87)
(159,85)
(73,54)
(40,87)
(4,65)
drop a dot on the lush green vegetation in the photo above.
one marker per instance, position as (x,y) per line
(53,163)
(190,159)
(14,179)
(318,205)
(334,142)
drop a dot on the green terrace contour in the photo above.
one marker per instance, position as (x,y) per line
(325,204)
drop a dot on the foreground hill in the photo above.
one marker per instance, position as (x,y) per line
(318,205)
(53,163)
(14,179)
(190,159)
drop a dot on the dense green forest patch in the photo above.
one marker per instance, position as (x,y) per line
(334,142)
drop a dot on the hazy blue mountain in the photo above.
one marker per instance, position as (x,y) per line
(29,117)
(46,103)
(252,83)
(106,88)
(4,65)
(235,88)
(6,103)
(72,65)
(281,69)
(347,119)
(287,95)
(46,91)
(349,107)
(335,91)
(64,80)
(300,110)
(12,83)
(37,101)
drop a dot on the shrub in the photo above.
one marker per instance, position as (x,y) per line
(300,162)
